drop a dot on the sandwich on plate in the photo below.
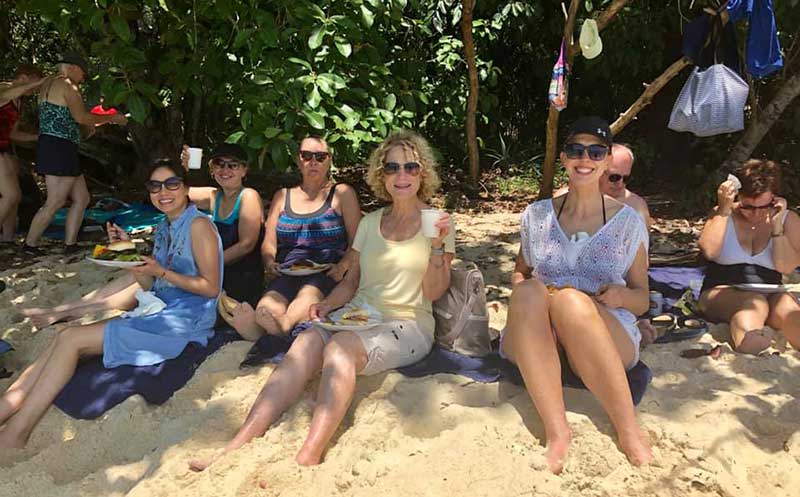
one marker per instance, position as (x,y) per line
(122,251)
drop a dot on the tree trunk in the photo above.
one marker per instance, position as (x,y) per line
(472,99)
(760,125)
(549,166)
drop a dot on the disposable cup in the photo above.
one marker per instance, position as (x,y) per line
(195,158)
(429,219)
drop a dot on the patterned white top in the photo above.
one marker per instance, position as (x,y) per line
(603,258)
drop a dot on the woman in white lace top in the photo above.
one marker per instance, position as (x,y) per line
(579,282)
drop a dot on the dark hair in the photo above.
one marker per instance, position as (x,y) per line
(759,176)
(176,169)
(28,70)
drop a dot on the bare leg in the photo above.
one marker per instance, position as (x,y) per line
(100,295)
(243,320)
(15,395)
(272,304)
(784,315)
(344,356)
(123,299)
(529,343)
(69,347)
(598,349)
(298,309)
(79,194)
(58,189)
(10,196)
(283,388)
(745,311)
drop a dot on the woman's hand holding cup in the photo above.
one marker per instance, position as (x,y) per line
(435,225)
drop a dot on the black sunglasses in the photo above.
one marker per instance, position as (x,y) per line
(613,178)
(596,151)
(411,168)
(307,155)
(757,207)
(230,164)
(172,184)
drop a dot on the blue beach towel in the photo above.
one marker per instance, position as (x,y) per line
(128,217)
(5,347)
(489,369)
(94,389)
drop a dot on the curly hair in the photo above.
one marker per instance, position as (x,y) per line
(759,176)
(422,152)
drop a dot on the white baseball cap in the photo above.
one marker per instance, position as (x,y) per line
(591,44)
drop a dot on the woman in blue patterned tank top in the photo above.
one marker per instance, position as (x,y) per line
(315,221)
(185,272)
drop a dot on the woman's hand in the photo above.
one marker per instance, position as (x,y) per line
(185,156)
(779,216)
(319,310)
(116,234)
(611,295)
(443,225)
(726,193)
(151,267)
(272,268)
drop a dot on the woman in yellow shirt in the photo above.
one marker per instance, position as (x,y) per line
(394,269)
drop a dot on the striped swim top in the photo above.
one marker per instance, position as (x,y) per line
(319,236)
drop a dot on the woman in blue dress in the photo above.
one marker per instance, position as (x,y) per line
(185,272)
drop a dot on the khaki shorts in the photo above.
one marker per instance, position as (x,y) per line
(390,345)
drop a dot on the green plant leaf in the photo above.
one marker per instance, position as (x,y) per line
(272,132)
(343,46)
(315,40)
(334,80)
(367,17)
(163,5)
(120,27)
(234,137)
(315,119)
(390,101)
(313,99)
(138,108)
(301,62)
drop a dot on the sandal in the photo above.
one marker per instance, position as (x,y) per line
(685,329)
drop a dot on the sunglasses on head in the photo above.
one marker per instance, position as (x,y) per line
(411,168)
(747,207)
(595,151)
(230,164)
(613,178)
(307,155)
(155,186)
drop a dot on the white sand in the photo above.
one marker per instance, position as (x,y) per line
(728,427)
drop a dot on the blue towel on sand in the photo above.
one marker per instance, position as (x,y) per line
(5,347)
(128,217)
(94,389)
(489,369)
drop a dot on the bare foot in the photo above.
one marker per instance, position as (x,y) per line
(648,331)
(306,458)
(755,342)
(33,311)
(41,321)
(268,321)
(556,453)
(243,320)
(637,447)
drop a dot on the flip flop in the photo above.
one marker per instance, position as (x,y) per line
(686,329)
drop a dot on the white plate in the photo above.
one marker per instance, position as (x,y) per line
(305,272)
(101,262)
(762,287)
(345,327)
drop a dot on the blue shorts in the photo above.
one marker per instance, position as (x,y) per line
(289,286)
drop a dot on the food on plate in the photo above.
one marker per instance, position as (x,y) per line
(122,251)
(355,316)
(305,264)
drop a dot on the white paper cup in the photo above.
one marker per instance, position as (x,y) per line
(195,158)
(429,219)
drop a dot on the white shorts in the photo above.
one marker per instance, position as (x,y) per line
(390,345)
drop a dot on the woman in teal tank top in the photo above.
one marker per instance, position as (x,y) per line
(61,111)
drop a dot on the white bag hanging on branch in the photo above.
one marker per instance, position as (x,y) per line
(711,102)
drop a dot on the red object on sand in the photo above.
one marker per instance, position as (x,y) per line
(98,110)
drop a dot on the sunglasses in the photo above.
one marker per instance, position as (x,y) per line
(596,152)
(613,178)
(172,184)
(757,207)
(411,168)
(233,165)
(307,155)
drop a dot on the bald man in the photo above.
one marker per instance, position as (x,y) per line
(614,181)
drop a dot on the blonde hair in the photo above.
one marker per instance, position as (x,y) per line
(422,152)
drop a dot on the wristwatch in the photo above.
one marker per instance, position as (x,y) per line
(437,251)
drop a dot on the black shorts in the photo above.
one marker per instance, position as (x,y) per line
(289,286)
(57,157)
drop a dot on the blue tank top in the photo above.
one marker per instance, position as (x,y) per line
(319,236)
(229,233)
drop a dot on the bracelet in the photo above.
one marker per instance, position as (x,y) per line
(163,275)
(777,235)
(437,251)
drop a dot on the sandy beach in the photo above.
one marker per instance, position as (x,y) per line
(727,426)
